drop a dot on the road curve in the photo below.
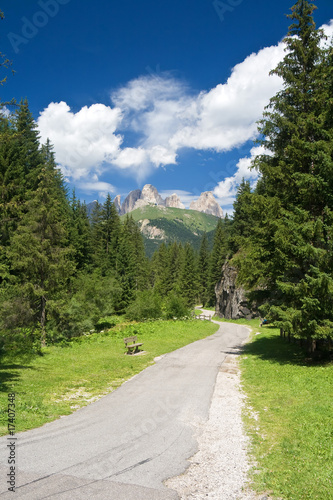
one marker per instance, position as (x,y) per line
(126,444)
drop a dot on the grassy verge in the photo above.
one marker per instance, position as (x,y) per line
(66,378)
(289,417)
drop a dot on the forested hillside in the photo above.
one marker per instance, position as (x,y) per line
(160,224)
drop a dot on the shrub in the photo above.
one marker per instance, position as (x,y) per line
(106,323)
(147,305)
(175,307)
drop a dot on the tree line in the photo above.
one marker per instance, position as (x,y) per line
(63,273)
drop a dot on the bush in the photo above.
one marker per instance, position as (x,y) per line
(175,307)
(106,323)
(91,304)
(147,305)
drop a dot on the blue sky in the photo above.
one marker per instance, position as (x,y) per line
(136,92)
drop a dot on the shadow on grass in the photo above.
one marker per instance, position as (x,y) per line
(275,349)
(9,374)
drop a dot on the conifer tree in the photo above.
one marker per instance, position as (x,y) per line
(188,282)
(292,250)
(175,261)
(217,259)
(80,233)
(203,271)
(160,270)
(110,231)
(132,270)
(30,157)
(39,252)
(241,224)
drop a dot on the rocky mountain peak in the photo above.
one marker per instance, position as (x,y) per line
(173,201)
(151,195)
(207,204)
(130,200)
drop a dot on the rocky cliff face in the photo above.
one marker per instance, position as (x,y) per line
(173,201)
(117,204)
(130,200)
(231,301)
(207,204)
(151,195)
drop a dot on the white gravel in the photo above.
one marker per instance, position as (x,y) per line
(219,470)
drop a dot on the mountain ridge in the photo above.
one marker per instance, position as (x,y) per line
(160,224)
(149,195)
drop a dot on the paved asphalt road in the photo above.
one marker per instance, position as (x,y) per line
(125,445)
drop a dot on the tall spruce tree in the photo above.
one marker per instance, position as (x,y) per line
(39,252)
(292,250)
(217,258)
(188,283)
(80,233)
(110,231)
(203,270)
(132,264)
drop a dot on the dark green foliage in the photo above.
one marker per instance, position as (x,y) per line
(93,297)
(203,271)
(147,305)
(132,264)
(189,280)
(218,256)
(289,253)
(80,233)
(241,224)
(176,307)
(38,253)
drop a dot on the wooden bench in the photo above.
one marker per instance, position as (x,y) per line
(132,345)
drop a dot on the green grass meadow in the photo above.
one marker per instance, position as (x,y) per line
(66,378)
(289,417)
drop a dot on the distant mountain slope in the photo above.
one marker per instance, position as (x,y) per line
(158,224)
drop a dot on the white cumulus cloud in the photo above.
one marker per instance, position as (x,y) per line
(226,190)
(156,116)
(83,141)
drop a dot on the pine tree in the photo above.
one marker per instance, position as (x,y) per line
(188,282)
(110,231)
(30,156)
(292,250)
(241,225)
(160,270)
(203,270)
(132,264)
(39,252)
(80,233)
(218,256)
(172,270)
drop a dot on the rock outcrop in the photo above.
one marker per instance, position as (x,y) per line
(173,201)
(231,301)
(207,204)
(130,200)
(117,204)
(151,196)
